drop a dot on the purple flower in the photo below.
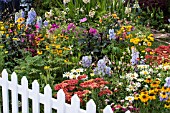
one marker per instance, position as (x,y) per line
(108,70)
(112,34)
(86,61)
(102,69)
(101,64)
(54,26)
(162,99)
(39,22)
(45,23)
(71,26)
(167,84)
(93,31)
(31,17)
(83,20)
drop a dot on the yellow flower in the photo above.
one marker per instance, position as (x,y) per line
(92,74)
(66,60)
(1,46)
(20,20)
(11,25)
(154,84)
(127,36)
(151,53)
(145,40)
(163,95)
(168,100)
(167,105)
(2,28)
(39,52)
(66,37)
(6,52)
(15,39)
(144,98)
(151,35)
(59,51)
(165,89)
(148,80)
(132,39)
(55,37)
(19,26)
(152,96)
(47,48)
(114,15)
(46,67)
(149,43)
(121,38)
(143,51)
(7,35)
(57,46)
(157,89)
(61,35)
(152,91)
(136,40)
(151,38)
(65,48)
(136,97)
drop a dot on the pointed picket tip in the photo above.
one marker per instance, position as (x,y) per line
(35,86)
(60,93)
(35,83)
(47,89)
(91,106)
(108,109)
(14,77)
(4,74)
(75,98)
(24,80)
(91,103)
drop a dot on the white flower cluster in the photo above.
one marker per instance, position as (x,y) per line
(49,14)
(74,74)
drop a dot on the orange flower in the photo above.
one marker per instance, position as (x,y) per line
(20,20)
(100,20)
(154,84)
(148,80)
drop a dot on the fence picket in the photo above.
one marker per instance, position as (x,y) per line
(35,99)
(14,82)
(48,96)
(90,107)
(108,109)
(61,100)
(5,91)
(24,83)
(75,104)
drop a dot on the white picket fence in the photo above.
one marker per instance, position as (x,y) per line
(37,98)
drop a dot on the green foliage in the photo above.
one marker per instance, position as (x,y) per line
(1,60)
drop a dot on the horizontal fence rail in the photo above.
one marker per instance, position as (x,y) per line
(50,103)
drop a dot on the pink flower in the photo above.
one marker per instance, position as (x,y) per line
(83,20)
(92,31)
(36,26)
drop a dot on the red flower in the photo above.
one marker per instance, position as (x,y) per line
(71,82)
(105,92)
(81,77)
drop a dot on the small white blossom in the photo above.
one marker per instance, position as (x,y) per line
(86,1)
